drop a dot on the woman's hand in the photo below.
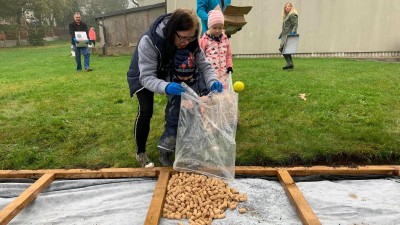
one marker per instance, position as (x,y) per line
(216,86)
(174,89)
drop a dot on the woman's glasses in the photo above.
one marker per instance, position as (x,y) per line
(185,39)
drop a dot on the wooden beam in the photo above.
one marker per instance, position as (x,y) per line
(358,170)
(83,173)
(304,210)
(240,170)
(157,202)
(12,209)
(111,173)
(256,170)
(29,174)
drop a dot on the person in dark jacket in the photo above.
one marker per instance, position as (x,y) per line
(78,25)
(289,27)
(151,71)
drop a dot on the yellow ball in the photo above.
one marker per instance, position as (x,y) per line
(238,86)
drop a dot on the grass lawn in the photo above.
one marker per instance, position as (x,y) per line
(53,117)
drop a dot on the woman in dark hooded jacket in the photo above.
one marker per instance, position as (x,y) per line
(151,69)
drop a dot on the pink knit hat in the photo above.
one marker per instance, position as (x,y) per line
(215,17)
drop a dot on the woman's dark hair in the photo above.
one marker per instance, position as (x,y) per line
(180,20)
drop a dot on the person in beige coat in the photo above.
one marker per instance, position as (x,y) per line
(289,27)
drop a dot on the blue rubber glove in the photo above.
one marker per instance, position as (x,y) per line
(216,86)
(75,40)
(174,89)
(292,33)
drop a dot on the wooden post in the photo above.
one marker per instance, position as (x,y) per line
(304,210)
(10,211)
(157,202)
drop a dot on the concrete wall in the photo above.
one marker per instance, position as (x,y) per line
(326,27)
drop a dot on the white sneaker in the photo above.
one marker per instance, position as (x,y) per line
(150,165)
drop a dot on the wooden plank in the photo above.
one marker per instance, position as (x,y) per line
(243,170)
(304,210)
(83,173)
(11,210)
(305,171)
(157,202)
(30,174)
(256,170)
(359,170)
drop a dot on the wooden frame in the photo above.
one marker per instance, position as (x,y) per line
(305,212)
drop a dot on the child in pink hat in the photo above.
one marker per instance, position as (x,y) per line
(216,47)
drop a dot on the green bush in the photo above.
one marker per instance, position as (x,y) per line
(36,36)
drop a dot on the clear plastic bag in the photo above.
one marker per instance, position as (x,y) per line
(206,134)
(229,82)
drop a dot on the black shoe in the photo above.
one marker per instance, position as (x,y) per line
(165,158)
(288,66)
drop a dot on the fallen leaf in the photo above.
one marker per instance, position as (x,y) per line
(303,96)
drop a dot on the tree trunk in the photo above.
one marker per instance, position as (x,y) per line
(18,30)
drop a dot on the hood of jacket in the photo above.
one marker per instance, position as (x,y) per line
(156,34)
